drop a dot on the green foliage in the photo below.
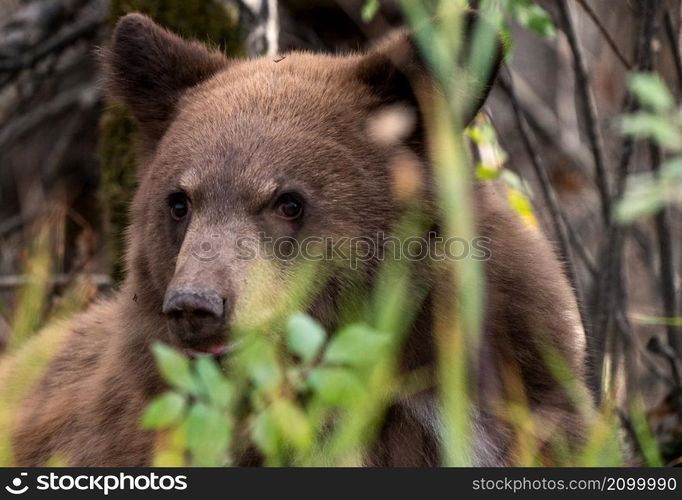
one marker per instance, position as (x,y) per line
(208,434)
(174,367)
(526,13)
(369,10)
(283,409)
(651,91)
(660,121)
(491,167)
(532,17)
(356,345)
(306,336)
(198,405)
(164,411)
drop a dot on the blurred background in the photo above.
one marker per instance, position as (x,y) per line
(67,166)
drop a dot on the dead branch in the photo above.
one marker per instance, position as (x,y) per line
(605,33)
(589,110)
(674,46)
(59,42)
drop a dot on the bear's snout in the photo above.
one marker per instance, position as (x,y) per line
(196,316)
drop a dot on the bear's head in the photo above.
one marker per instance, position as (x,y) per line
(249,167)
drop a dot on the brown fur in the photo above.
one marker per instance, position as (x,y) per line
(229,132)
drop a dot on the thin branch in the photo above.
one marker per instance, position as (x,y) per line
(544,121)
(84,95)
(589,108)
(56,44)
(674,46)
(605,33)
(610,306)
(667,272)
(611,292)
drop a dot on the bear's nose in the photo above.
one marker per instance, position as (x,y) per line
(195,313)
(196,305)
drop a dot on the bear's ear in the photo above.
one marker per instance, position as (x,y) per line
(395,70)
(149,68)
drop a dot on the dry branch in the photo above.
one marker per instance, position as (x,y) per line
(589,110)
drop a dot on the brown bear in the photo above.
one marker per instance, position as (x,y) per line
(280,148)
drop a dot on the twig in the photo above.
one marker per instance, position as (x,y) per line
(544,121)
(53,45)
(667,267)
(607,300)
(656,346)
(611,295)
(589,108)
(605,33)
(83,95)
(547,192)
(674,46)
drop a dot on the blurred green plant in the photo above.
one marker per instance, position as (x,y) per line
(369,10)
(491,167)
(36,327)
(291,403)
(660,121)
(532,17)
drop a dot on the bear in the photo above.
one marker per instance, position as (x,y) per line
(247,147)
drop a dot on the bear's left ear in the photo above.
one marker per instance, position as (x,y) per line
(394,70)
(149,68)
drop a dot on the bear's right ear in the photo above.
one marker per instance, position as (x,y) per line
(395,71)
(149,68)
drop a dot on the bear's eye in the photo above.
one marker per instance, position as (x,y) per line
(179,205)
(289,206)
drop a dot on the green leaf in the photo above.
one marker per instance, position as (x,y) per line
(643,196)
(645,125)
(262,364)
(292,424)
(305,336)
(533,17)
(486,173)
(164,411)
(217,388)
(264,434)
(369,10)
(540,22)
(651,91)
(671,170)
(356,345)
(174,367)
(520,203)
(336,386)
(208,435)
